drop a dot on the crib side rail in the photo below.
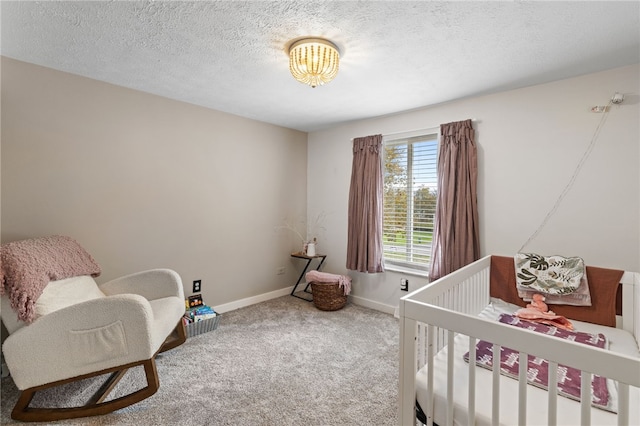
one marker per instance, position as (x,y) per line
(465,290)
(603,362)
(452,303)
(621,368)
(468,275)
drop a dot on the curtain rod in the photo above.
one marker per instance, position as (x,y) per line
(422,130)
(473,120)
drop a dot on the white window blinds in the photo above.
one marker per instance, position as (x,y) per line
(410,188)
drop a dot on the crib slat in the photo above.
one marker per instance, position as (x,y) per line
(585,398)
(407,362)
(552,405)
(522,388)
(422,344)
(430,397)
(472,381)
(495,410)
(450,351)
(623,404)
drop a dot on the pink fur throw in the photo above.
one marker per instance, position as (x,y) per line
(27,266)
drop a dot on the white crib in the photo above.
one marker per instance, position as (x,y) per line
(439,314)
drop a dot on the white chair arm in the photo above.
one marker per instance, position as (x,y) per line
(152,284)
(80,339)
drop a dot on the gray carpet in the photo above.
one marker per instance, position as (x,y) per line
(280,362)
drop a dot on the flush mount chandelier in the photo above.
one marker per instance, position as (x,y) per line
(314,61)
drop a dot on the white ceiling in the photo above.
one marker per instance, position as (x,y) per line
(395,55)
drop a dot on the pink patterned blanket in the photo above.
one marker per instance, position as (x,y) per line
(27,266)
(538,369)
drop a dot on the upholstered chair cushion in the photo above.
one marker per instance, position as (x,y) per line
(56,295)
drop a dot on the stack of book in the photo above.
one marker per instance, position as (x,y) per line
(199,313)
(198,317)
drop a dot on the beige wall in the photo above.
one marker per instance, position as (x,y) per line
(529,143)
(146,182)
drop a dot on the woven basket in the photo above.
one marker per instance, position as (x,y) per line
(204,326)
(328,296)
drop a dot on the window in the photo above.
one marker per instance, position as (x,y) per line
(410,188)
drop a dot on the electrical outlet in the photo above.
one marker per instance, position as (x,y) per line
(281,270)
(197,285)
(404,284)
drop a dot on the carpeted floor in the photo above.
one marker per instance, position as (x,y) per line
(280,362)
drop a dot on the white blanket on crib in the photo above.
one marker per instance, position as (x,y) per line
(568,411)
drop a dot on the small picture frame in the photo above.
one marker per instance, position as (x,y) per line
(195,301)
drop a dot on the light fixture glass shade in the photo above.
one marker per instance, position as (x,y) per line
(314,61)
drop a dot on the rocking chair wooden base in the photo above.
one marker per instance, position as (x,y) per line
(97,405)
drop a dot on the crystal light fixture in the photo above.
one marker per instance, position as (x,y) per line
(314,61)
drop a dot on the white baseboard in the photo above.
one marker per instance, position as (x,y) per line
(231,306)
(372,304)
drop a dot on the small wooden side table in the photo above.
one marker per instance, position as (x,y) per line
(309,259)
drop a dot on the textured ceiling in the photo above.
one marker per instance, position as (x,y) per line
(396,55)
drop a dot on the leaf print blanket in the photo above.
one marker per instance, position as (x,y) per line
(553,275)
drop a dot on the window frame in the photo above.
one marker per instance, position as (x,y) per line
(409,139)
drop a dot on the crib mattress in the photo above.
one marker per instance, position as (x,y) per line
(568,411)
